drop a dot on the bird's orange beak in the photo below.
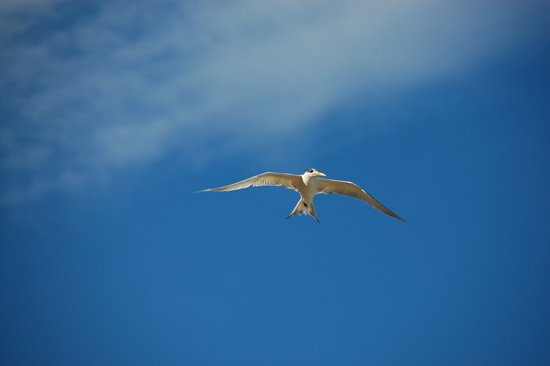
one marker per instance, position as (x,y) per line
(319,174)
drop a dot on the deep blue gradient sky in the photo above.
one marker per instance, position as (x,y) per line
(113,113)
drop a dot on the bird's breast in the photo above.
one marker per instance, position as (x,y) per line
(308,190)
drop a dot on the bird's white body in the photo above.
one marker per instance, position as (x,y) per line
(308,185)
(307,190)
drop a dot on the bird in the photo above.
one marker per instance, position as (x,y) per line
(307,185)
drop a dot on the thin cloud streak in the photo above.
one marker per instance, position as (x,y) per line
(128,81)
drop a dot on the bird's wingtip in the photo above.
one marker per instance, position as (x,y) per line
(406,222)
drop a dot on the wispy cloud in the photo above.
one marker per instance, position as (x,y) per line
(91,88)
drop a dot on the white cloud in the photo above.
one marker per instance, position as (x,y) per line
(121,83)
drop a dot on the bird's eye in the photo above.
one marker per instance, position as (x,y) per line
(311,170)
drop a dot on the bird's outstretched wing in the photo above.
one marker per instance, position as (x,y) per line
(266,179)
(329,186)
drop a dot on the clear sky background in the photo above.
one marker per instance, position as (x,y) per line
(113,112)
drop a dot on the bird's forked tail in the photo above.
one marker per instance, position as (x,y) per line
(303,208)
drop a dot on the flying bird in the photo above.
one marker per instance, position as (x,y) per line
(308,185)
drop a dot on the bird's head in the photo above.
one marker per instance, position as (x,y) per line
(312,173)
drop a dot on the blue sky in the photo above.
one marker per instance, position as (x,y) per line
(114,112)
